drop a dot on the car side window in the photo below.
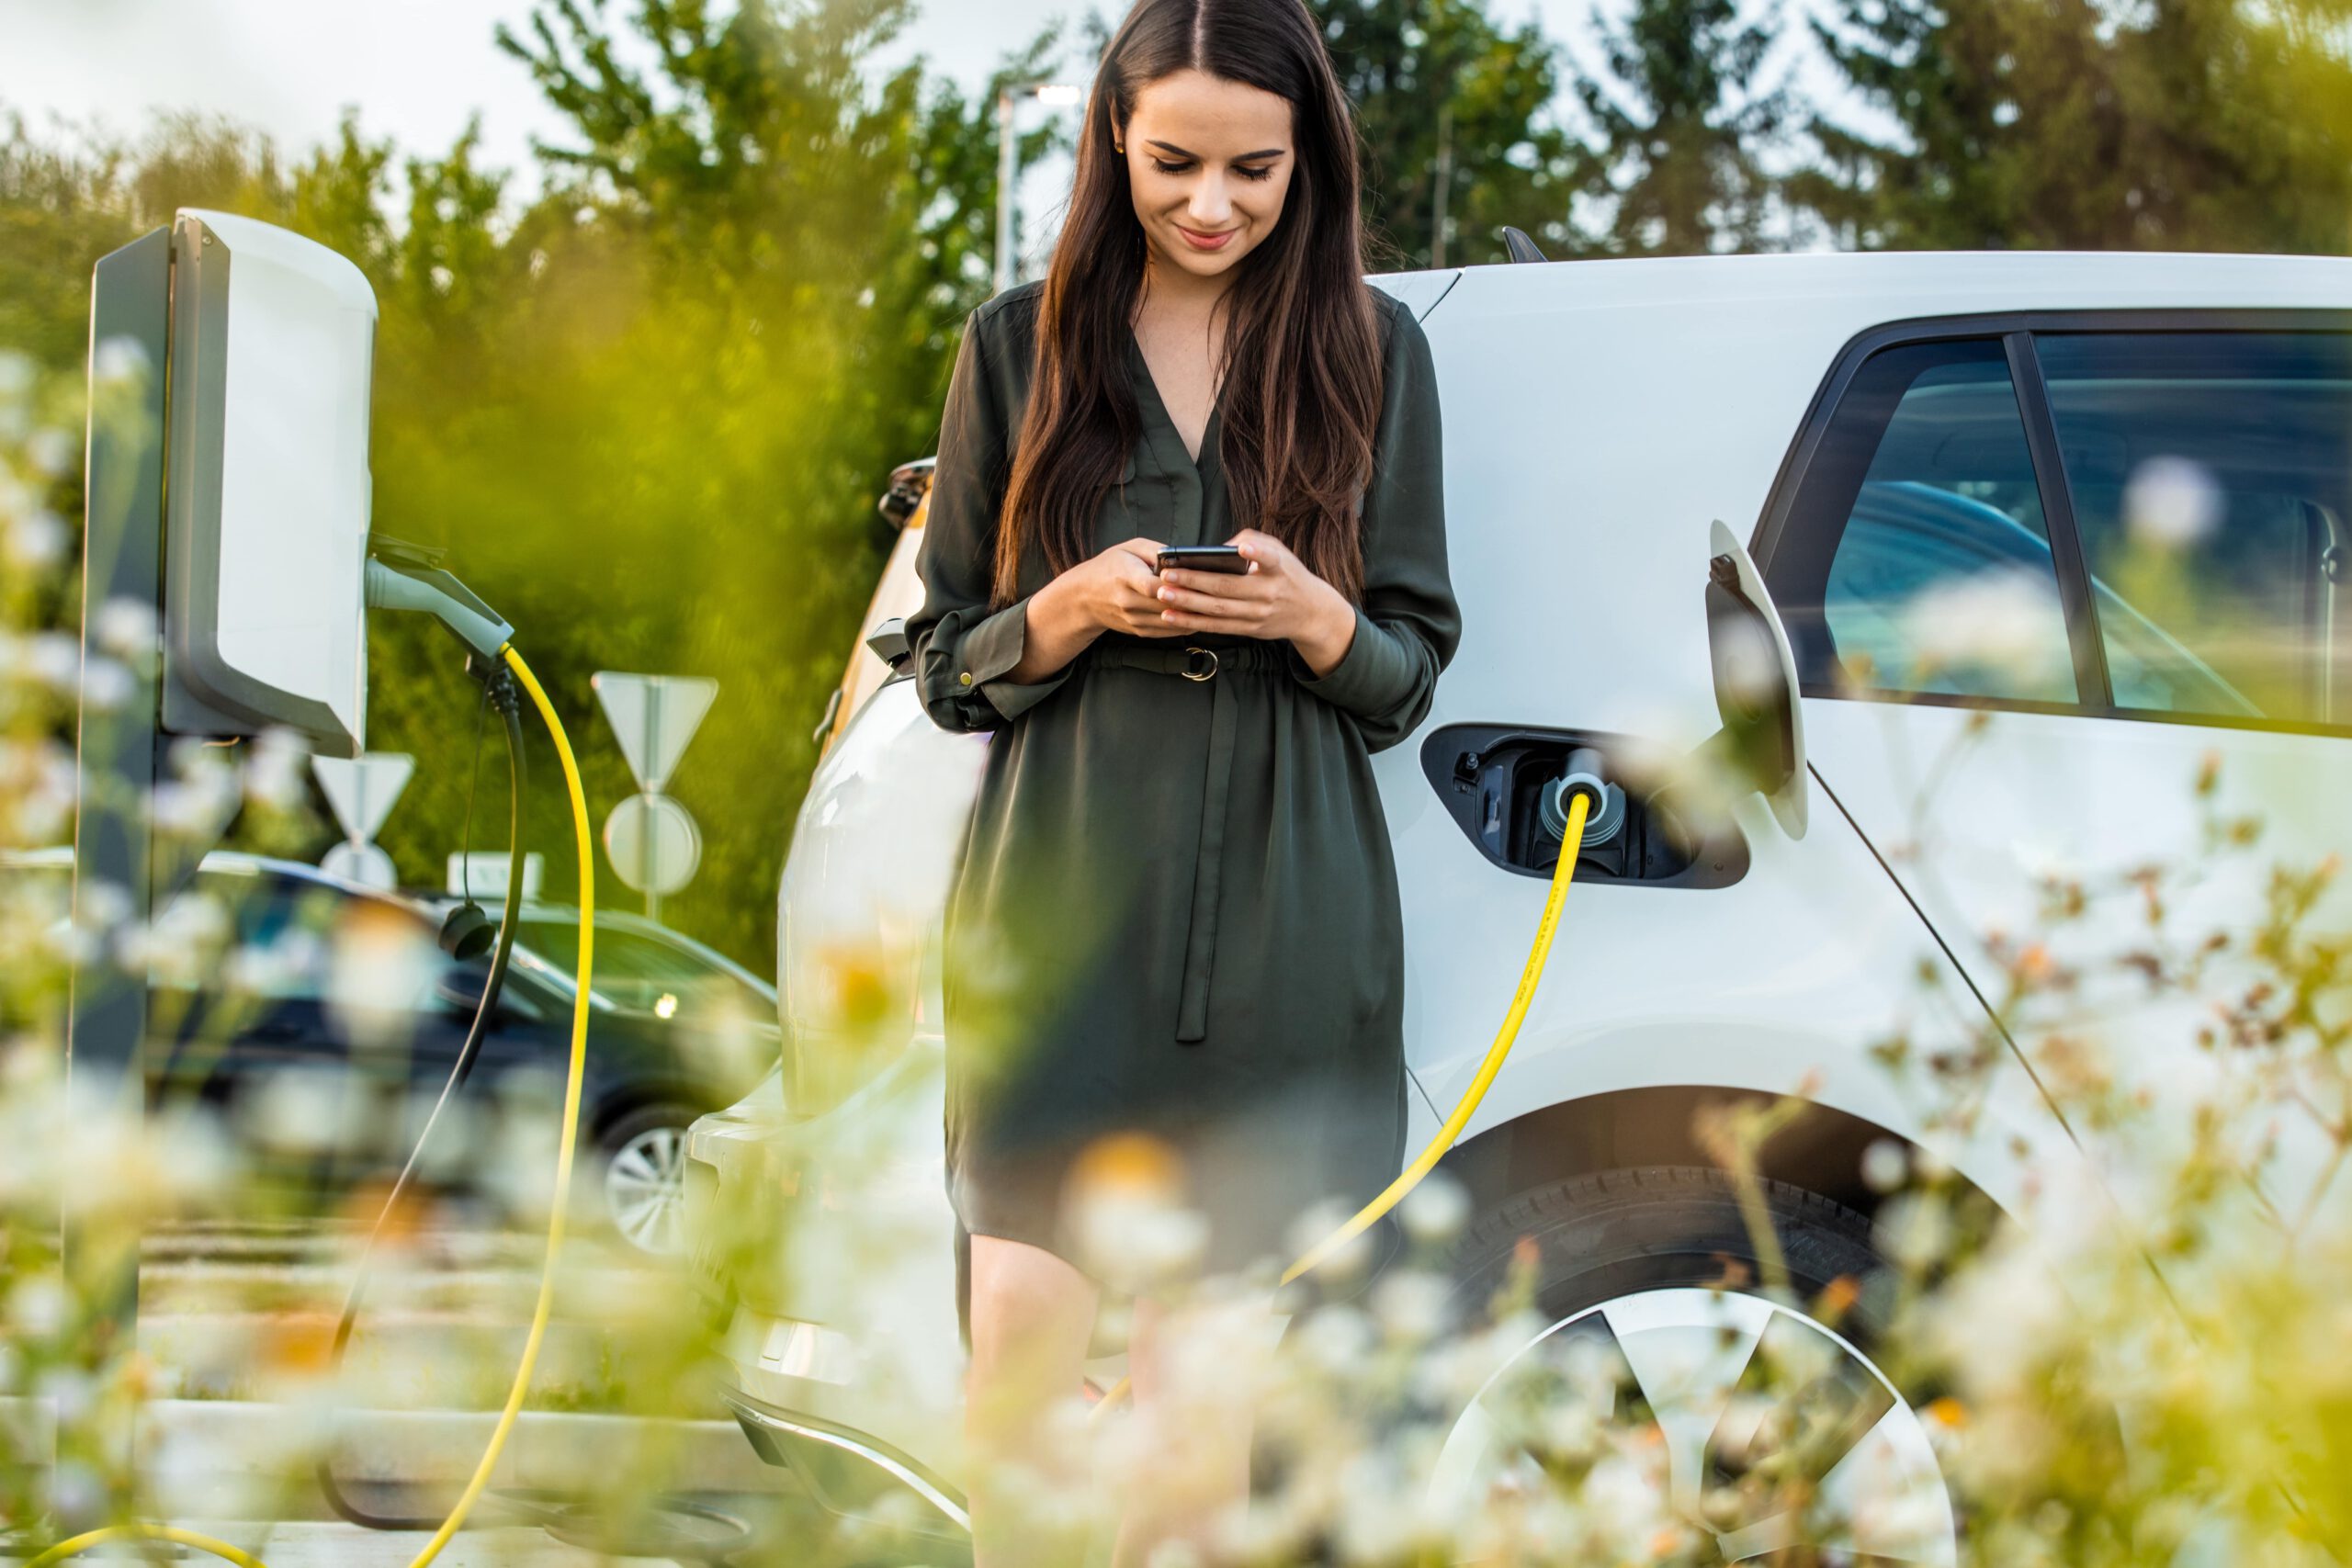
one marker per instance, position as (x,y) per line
(2209,473)
(643,973)
(1917,558)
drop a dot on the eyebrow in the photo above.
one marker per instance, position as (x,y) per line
(1237,158)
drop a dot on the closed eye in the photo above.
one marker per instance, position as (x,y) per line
(1247,172)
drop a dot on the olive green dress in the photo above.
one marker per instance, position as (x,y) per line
(1176,912)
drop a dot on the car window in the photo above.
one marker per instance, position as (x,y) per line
(2210,474)
(1919,561)
(645,974)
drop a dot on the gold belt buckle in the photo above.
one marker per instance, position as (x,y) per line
(1192,674)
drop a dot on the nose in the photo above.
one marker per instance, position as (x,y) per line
(1211,206)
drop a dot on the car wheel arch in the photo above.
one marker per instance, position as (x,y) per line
(1823,1151)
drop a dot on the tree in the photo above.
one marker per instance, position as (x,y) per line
(2175,124)
(1450,108)
(649,412)
(653,418)
(1681,122)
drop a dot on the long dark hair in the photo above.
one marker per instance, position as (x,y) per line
(1302,373)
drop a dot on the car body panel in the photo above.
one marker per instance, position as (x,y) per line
(1600,417)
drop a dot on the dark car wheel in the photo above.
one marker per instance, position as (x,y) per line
(643,1174)
(1652,1272)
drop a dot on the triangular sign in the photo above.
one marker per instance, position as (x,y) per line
(362,790)
(653,716)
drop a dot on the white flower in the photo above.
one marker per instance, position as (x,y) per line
(1316,1222)
(276,967)
(383,968)
(126,627)
(1336,1340)
(1410,1303)
(1884,1165)
(306,1110)
(182,945)
(274,766)
(37,540)
(199,802)
(119,361)
(1436,1210)
(2006,619)
(55,658)
(2171,503)
(105,685)
(51,450)
(1913,1229)
(37,1307)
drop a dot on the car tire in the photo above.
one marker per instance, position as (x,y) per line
(1652,1261)
(640,1176)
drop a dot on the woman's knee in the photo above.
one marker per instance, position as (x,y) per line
(1207,1357)
(1030,1308)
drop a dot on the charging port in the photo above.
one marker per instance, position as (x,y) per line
(1509,788)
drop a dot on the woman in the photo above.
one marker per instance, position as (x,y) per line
(1174,948)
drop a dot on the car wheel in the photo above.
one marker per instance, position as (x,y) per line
(644,1176)
(1652,1274)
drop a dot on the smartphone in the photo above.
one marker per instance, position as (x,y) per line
(1204,557)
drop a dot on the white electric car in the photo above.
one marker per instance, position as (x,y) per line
(2042,538)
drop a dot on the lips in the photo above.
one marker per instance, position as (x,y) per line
(1201,241)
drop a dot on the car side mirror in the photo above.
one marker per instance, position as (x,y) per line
(887,641)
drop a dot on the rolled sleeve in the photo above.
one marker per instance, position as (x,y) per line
(1377,672)
(1407,623)
(963,648)
(993,647)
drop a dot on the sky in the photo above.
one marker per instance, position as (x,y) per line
(417,68)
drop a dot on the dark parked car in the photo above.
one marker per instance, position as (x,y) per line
(321,1018)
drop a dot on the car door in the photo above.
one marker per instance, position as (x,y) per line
(2063,593)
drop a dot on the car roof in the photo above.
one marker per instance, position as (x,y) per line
(236,862)
(1958,282)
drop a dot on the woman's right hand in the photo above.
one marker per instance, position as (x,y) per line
(1118,590)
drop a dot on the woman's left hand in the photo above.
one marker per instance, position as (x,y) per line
(1277,597)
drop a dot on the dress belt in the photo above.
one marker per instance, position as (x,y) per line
(1205,664)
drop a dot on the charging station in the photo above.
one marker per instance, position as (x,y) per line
(228,493)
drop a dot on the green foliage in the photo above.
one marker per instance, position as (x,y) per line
(1682,121)
(2172,124)
(649,412)
(1442,88)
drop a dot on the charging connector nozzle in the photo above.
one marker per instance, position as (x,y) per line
(400,585)
(1604,814)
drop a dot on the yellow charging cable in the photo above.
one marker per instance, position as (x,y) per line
(573,1075)
(1571,845)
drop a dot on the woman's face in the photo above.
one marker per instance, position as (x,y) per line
(1209,161)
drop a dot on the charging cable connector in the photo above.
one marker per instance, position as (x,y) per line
(1605,807)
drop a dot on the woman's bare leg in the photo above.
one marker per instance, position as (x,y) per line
(1032,1316)
(1195,1370)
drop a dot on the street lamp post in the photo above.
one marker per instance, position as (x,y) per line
(1008,164)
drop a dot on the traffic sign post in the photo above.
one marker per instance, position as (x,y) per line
(650,840)
(361,792)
